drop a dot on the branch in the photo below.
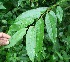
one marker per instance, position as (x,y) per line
(50,8)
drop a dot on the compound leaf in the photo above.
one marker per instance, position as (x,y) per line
(26,19)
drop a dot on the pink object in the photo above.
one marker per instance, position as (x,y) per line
(4,39)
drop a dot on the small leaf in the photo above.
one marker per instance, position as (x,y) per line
(16,37)
(65,56)
(59,13)
(19,2)
(1,6)
(31,42)
(39,38)
(50,21)
(68,40)
(32,4)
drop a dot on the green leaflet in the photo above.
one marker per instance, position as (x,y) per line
(31,42)
(50,21)
(16,37)
(59,13)
(28,17)
(39,38)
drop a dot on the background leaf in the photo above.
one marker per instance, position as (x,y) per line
(59,13)
(65,56)
(1,6)
(31,42)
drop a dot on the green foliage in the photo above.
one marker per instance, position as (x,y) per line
(59,13)
(16,37)
(28,17)
(35,32)
(39,38)
(51,22)
(31,43)
(1,6)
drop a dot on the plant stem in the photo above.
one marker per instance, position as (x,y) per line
(50,8)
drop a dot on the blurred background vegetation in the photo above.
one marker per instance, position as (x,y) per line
(11,9)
